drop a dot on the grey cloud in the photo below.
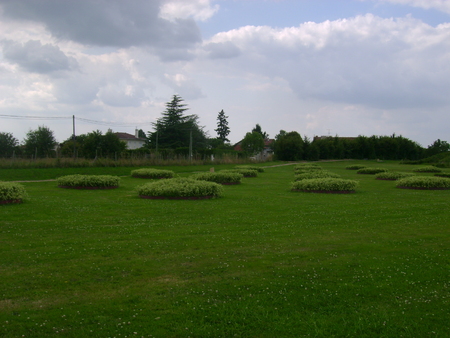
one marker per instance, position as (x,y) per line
(121,96)
(222,50)
(115,23)
(36,57)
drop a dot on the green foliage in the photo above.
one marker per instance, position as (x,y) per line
(443,175)
(371,171)
(306,168)
(245,172)
(220,177)
(152,173)
(253,143)
(99,181)
(258,130)
(325,185)
(427,169)
(424,182)
(180,187)
(251,167)
(437,147)
(288,146)
(8,144)
(393,176)
(12,192)
(355,167)
(315,174)
(222,127)
(40,142)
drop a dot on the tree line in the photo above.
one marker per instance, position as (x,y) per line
(177,133)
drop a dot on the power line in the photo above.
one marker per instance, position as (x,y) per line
(27,117)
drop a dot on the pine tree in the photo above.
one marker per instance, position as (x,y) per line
(222,127)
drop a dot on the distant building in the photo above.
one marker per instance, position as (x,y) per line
(132,141)
(268,143)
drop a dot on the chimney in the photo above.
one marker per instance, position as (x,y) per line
(136,133)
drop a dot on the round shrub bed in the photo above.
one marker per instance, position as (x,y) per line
(392,176)
(428,169)
(315,174)
(180,188)
(244,172)
(443,175)
(371,171)
(88,182)
(326,185)
(11,192)
(424,183)
(224,178)
(355,167)
(152,173)
(251,167)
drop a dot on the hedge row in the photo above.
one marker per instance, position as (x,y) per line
(325,185)
(219,177)
(180,187)
(152,173)
(88,181)
(11,192)
(424,182)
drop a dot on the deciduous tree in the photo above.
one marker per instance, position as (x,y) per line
(40,142)
(8,144)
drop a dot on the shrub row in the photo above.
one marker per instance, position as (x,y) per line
(427,169)
(424,182)
(219,177)
(250,167)
(88,181)
(392,176)
(355,167)
(244,172)
(180,187)
(371,171)
(152,173)
(325,185)
(11,192)
(315,174)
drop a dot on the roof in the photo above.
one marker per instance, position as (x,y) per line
(126,136)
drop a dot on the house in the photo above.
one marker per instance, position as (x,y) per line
(268,143)
(132,141)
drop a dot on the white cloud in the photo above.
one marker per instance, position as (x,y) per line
(200,10)
(441,5)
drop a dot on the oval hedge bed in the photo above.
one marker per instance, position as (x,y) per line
(245,172)
(392,176)
(326,185)
(224,178)
(251,167)
(443,175)
(371,171)
(355,167)
(180,188)
(428,169)
(88,182)
(152,173)
(315,174)
(424,183)
(11,192)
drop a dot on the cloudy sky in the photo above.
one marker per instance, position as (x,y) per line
(318,67)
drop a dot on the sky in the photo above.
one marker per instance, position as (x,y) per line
(318,67)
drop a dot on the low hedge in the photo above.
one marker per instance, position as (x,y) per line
(392,176)
(325,185)
(424,183)
(180,188)
(371,171)
(443,175)
(219,177)
(355,167)
(88,181)
(427,169)
(315,174)
(11,192)
(251,167)
(244,172)
(152,173)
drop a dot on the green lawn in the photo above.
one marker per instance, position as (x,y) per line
(261,261)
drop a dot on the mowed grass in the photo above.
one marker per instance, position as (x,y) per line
(260,262)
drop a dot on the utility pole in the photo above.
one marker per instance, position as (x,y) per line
(190,145)
(73,137)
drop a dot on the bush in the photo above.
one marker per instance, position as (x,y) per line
(371,171)
(152,173)
(424,182)
(315,174)
(244,172)
(180,188)
(326,185)
(443,175)
(219,177)
(251,167)
(88,181)
(355,167)
(11,192)
(428,169)
(392,176)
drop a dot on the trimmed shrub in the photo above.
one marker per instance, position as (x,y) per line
(180,188)
(392,176)
(11,192)
(428,169)
(219,177)
(355,167)
(315,174)
(371,171)
(424,183)
(325,185)
(443,175)
(88,181)
(251,167)
(244,172)
(152,173)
